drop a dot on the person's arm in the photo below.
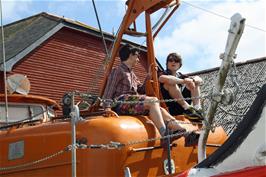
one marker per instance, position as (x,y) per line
(142,86)
(110,88)
(171,80)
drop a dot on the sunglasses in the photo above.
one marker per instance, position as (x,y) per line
(173,60)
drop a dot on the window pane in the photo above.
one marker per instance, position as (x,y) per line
(21,112)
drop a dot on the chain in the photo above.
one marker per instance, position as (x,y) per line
(153,139)
(118,145)
(208,127)
(35,162)
(115,102)
(111,145)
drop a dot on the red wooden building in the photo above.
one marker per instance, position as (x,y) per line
(58,55)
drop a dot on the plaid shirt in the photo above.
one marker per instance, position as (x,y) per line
(122,80)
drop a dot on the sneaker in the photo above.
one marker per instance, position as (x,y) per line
(191,139)
(193,114)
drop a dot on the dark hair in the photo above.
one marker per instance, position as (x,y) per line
(125,51)
(175,57)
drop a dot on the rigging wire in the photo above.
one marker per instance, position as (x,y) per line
(99,71)
(100,28)
(4,62)
(107,57)
(161,18)
(219,15)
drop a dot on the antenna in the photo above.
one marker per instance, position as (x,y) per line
(18,83)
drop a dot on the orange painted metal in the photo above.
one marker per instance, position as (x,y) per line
(41,141)
(150,53)
(17,98)
(135,8)
(45,139)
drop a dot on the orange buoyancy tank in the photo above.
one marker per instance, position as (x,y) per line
(40,150)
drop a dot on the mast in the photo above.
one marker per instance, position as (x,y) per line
(235,32)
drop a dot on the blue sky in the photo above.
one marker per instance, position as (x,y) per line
(194,31)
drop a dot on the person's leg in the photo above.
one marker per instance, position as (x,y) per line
(152,104)
(158,115)
(193,111)
(173,123)
(196,102)
(196,93)
(191,137)
(155,111)
(175,93)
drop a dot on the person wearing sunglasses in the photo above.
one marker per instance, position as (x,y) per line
(175,85)
(124,86)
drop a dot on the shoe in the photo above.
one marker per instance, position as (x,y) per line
(179,134)
(193,114)
(192,139)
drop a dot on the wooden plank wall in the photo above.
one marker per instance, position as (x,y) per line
(69,60)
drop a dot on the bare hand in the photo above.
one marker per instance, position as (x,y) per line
(189,83)
(150,70)
(197,80)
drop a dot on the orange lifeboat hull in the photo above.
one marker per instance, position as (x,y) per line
(43,149)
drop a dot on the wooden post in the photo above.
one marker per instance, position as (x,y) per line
(235,32)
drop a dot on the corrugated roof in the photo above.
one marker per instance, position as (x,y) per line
(251,77)
(237,64)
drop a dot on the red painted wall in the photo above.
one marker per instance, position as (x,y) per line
(69,60)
